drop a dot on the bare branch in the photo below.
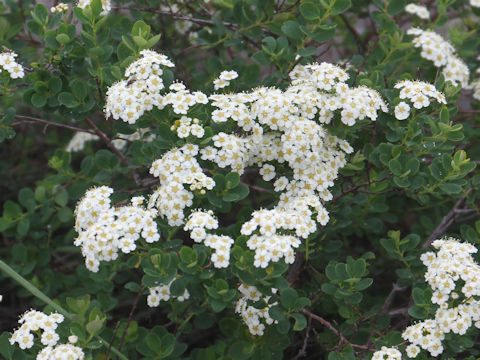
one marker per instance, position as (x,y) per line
(30,120)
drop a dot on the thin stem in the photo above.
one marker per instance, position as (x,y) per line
(30,119)
(108,142)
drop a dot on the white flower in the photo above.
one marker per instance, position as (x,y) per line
(402,111)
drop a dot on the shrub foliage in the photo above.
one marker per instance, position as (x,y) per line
(233,179)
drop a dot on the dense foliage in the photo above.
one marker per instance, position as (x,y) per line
(239,179)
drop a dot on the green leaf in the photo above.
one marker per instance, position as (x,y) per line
(140,28)
(62,197)
(154,342)
(11,210)
(26,197)
(35,28)
(79,89)
(395,7)
(450,188)
(417,312)
(188,255)
(413,165)
(94,326)
(40,14)
(63,39)
(177,288)
(38,100)
(322,35)
(395,167)
(388,244)
(292,30)
(23,226)
(340,6)
(237,194)
(307,51)
(310,11)
(65,214)
(363,284)
(232,180)
(54,84)
(80,16)
(288,298)
(96,6)
(6,350)
(300,322)
(67,99)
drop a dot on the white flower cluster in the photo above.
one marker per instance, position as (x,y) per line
(277,231)
(129,99)
(44,327)
(254,318)
(419,93)
(387,354)
(436,49)
(181,99)
(475,3)
(162,293)
(200,221)
(418,10)
(106,5)
(61,352)
(355,103)
(60,7)
(35,321)
(224,79)
(189,126)
(8,63)
(176,168)
(454,278)
(104,230)
(78,141)
(293,136)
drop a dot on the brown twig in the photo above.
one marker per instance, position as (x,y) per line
(303,350)
(257,188)
(178,17)
(108,142)
(134,306)
(31,120)
(107,354)
(327,324)
(447,220)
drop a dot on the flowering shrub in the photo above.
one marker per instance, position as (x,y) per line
(234,179)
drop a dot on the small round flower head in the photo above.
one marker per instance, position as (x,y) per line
(61,7)
(419,93)
(412,351)
(103,231)
(433,46)
(162,293)
(129,99)
(228,75)
(402,110)
(387,354)
(418,10)
(456,71)
(8,63)
(254,318)
(40,323)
